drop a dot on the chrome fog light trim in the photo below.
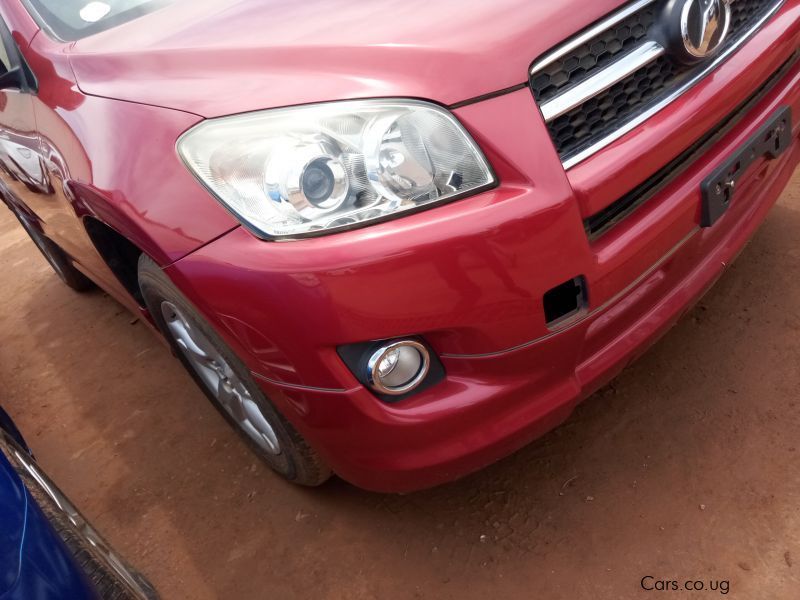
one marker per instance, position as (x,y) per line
(398,367)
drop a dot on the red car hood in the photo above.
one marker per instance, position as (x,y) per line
(214,58)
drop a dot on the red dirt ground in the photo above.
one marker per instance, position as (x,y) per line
(686,467)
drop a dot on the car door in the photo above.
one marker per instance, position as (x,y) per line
(22,174)
(34,173)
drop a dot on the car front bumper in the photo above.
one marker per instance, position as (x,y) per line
(469,278)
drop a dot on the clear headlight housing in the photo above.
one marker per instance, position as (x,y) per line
(317,169)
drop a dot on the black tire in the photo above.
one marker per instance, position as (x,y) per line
(297,461)
(57,259)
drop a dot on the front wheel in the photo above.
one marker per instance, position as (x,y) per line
(227,382)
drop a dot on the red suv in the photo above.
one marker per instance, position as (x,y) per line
(397,241)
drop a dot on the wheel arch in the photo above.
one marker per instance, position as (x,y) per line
(118,239)
(120,254)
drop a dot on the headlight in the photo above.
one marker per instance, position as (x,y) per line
(316,169)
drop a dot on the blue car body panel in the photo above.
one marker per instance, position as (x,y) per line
(35,564)
(13,511)
(47,569)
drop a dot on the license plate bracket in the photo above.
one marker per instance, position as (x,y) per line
(769,142)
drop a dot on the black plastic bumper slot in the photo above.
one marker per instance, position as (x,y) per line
(769,142)
(565,301)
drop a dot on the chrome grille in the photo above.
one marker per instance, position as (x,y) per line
(607,80)
(565,72)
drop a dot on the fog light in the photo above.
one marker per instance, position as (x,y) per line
(398,368)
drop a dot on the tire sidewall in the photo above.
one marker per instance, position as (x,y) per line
(155,290)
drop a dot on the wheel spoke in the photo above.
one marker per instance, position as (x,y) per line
(220,379)
(257,420)
(186,342)
(227,397)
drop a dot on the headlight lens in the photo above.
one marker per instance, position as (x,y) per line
(317,169)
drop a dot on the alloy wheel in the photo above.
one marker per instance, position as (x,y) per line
(219,378)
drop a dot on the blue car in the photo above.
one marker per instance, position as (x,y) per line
(47,549)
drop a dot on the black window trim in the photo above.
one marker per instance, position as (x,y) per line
(75,35)
(29,83)
(40,20)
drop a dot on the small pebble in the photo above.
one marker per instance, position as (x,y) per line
(301,516)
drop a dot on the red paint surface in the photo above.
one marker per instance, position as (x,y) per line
(468,276)
(249,54)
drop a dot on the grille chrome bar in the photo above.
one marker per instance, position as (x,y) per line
(626,62)
(588,35)
(640,57)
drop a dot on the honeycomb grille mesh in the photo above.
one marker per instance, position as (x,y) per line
(570,70)
(603,114)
